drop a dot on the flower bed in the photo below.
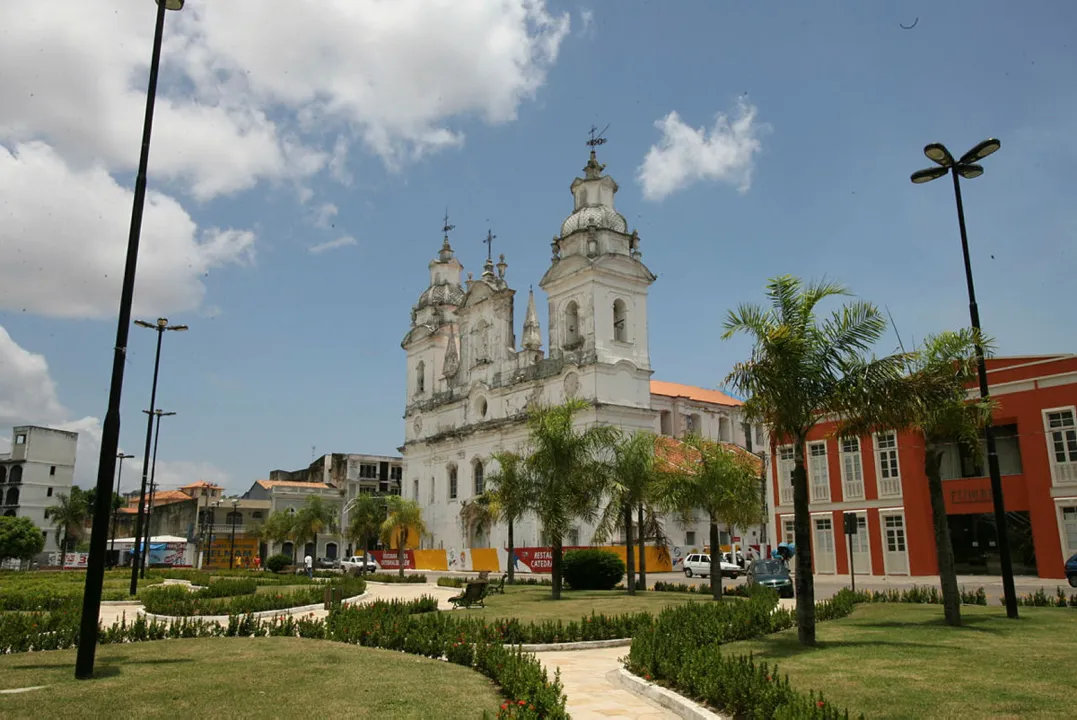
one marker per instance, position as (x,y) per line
(459,582)
(389,578)
(177,600)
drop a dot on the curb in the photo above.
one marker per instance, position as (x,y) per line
(282,612)
(678,704)
(120,603)
(583,645)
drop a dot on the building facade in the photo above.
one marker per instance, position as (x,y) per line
(880,479)
(40,466)
(469,384)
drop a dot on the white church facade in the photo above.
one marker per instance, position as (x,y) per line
(469,384)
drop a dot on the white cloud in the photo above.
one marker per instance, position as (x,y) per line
(324,215)
(685,155)
(340,242)
(28,397)
(63,240)
(587,23)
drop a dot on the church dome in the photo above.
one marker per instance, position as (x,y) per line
(602,217)
(441,294)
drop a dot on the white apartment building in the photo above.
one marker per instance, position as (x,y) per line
(41,465)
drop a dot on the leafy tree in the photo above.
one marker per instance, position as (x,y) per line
(404,516)
(566,471)
(631,485)
(718,480)
(509,488)
(69,515)
(279,528)
(19,538)
(802,370)
(365,517)
(316,516)
(937,408)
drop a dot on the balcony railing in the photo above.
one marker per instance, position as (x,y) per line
(785,495)
(820,491)
(1066,473)
(853,489)
(890,487)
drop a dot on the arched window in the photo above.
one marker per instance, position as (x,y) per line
(288,549)
(620,320)
(572,324)
(480,478)
(9,513)
(15,475)
(420,378)
(3,474)
(725,430)
(452,482)
(234,518)
(12,496)
(433,484)
(331,550)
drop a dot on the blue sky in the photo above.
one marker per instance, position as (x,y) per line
(290,349)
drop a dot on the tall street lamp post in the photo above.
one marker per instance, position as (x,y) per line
(968,168)
(232,550)
(153,484)
(110,433)
(160,327)
(115,511)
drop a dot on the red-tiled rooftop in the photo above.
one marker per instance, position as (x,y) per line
(267,484)
(677,390)
(676,453)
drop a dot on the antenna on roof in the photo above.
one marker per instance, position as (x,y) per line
(900,344)
(312,449)
(596,137)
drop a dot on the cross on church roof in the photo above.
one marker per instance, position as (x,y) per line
(596,137)
(447,227)
(489,243)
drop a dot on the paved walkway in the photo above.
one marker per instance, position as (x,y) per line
(591,686)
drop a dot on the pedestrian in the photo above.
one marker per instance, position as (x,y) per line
(257,562)
(308,561)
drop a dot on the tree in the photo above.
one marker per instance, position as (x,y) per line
(937,408)
(631,485)
(69,515)
(800,371)
(279,528)
(566,471)
(404,516)
(365,516)
(314,517)
(509,487)
(19,538)
(719,480)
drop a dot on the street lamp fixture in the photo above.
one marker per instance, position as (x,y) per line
(153,486)
(110,431)
(232,549)
(115,511)
(967,168)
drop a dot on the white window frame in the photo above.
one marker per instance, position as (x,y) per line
(883,515)
(866,534)
(835,538)
(788,532)
(1061,505)
(452,484)
(782,464)
(896,479)
(1065,472)
(819,487)
(851,488)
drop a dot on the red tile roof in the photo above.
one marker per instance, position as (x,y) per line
(677,390)
(201,484)
(676,454)
(267,484)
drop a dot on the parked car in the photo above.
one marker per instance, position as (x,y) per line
(328,563)
(773,574)
(700,564)
(1071,571)
(359,563)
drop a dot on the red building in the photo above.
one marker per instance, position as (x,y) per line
(880,478)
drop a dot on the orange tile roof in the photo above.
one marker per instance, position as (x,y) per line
(201,484)
(267,484)
(675,390)
(673,452)
(161,497)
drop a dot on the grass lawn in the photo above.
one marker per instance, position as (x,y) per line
(533,603)
(244,677)
(902,661)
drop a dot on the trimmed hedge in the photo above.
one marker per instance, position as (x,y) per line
(178,600)
(592,569)
(390,578)
(1041,599)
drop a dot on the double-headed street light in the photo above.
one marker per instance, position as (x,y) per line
(967,167)
(115,511)
(110,432)
(153,484)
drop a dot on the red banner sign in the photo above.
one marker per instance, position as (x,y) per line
(390,559)
(537,559)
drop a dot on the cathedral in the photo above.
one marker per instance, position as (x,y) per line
(469,383)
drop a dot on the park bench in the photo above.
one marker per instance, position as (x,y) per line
(499,588)
(474,594)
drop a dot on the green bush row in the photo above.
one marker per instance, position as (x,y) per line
(391,578)
(1040,598)
(702,589)
(592,569)
(177,600)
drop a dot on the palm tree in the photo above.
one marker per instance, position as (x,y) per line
(631,485)
(314,517)
(800,371)
(404,516)
(509,487)
(69,515)
(365,516)
(279,528)
(936,407)
(566,472)
(721,481)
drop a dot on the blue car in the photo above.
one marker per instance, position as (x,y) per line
(1071,571)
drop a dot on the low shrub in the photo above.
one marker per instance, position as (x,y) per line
(1040,598)
(276,563)
(451,582)
(391,578)
(922,595)
(592,569)
(228,587)
(177,600)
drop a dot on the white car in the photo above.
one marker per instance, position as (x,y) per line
(700,564)
(359,563)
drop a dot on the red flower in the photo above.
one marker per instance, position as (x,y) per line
(819,703)
(523,702)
